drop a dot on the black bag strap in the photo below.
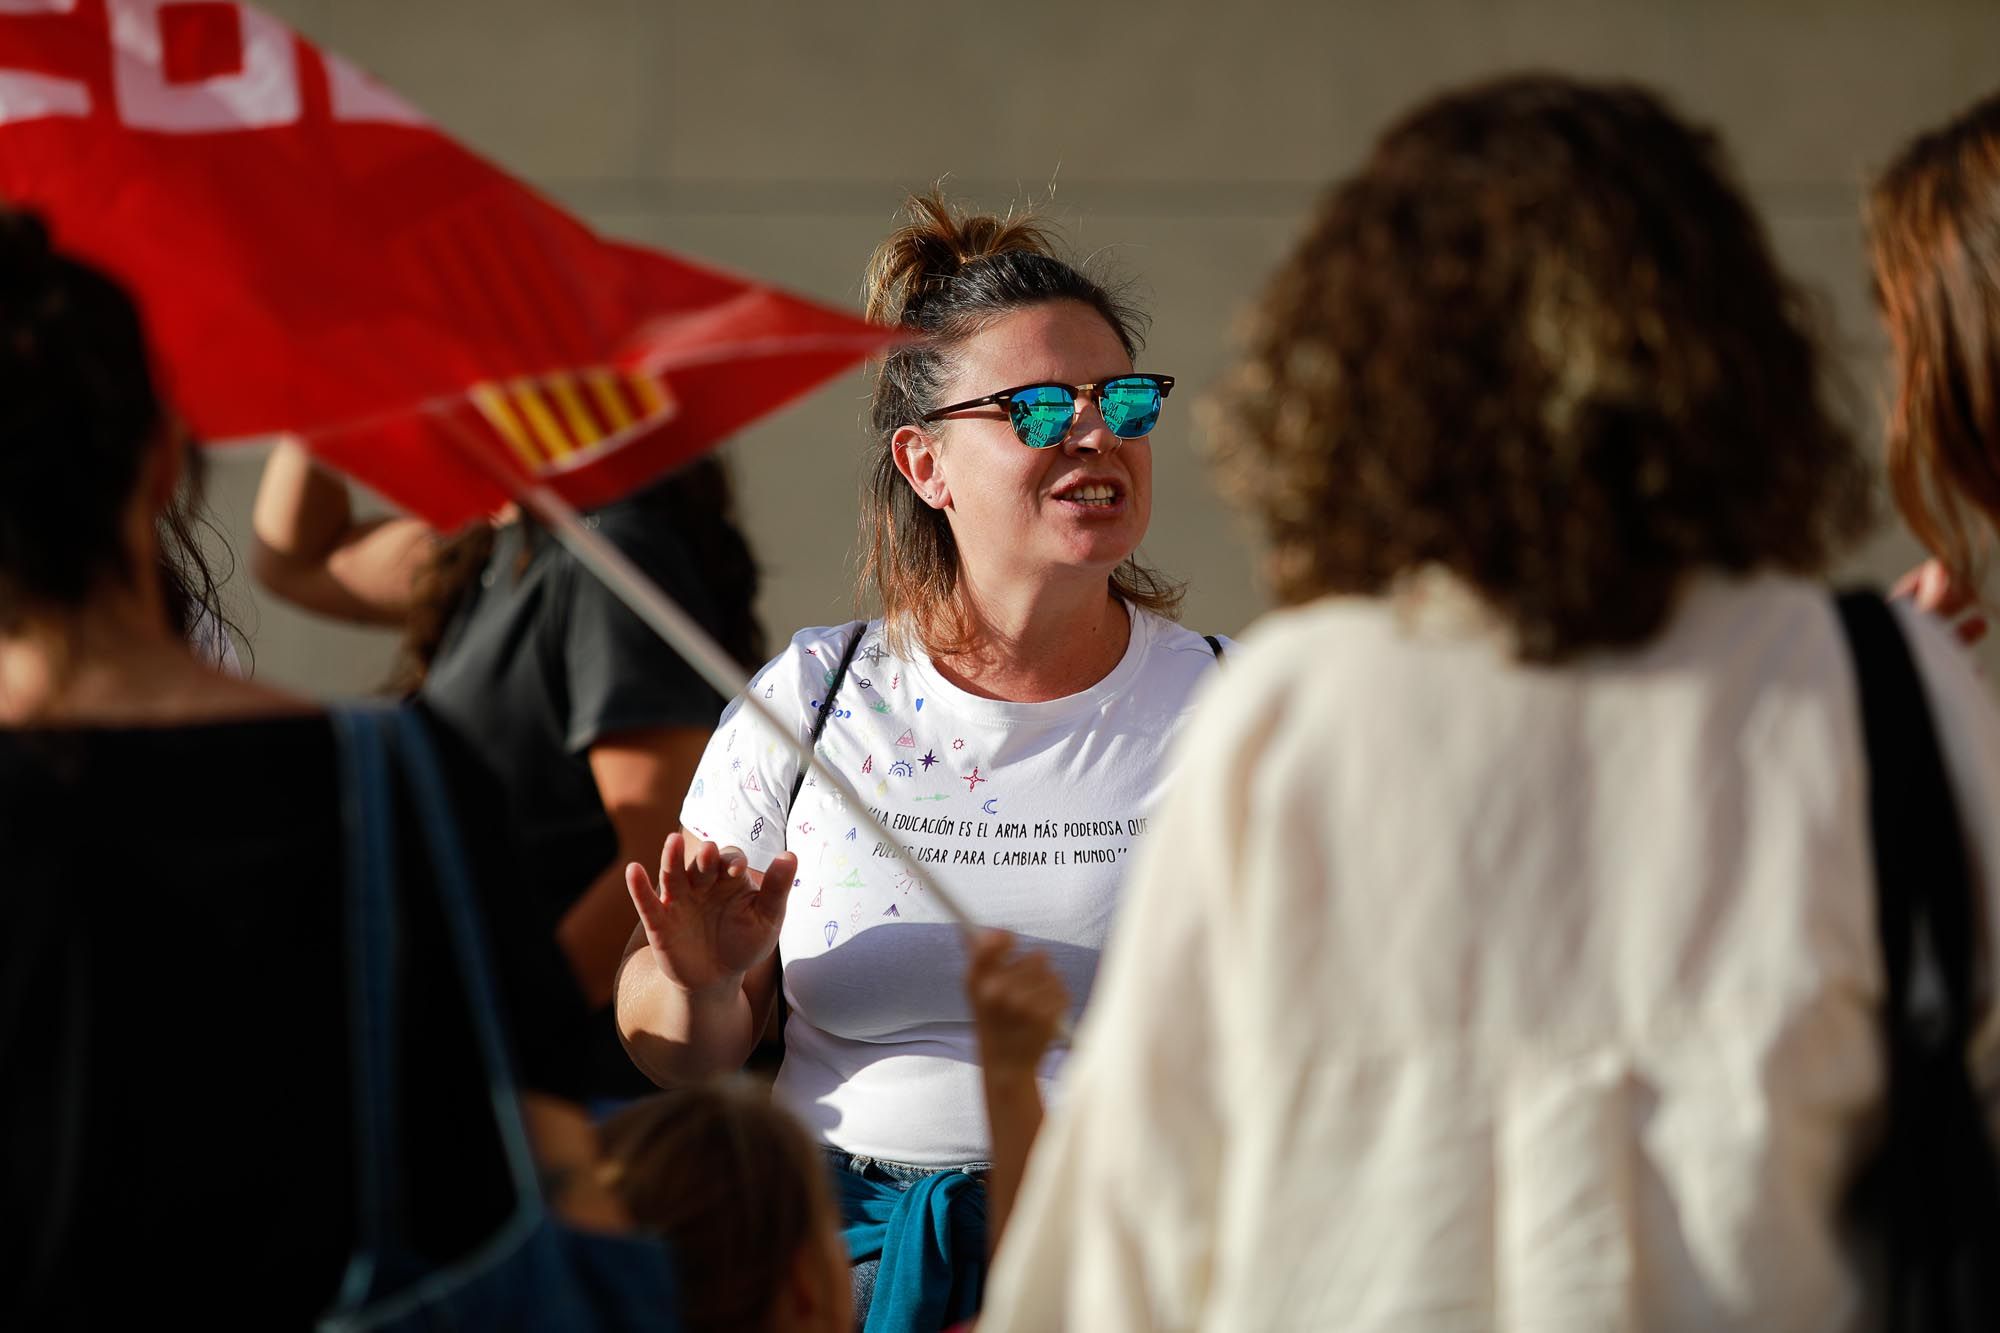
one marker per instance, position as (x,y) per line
(833,684)
(1214,646)
(1937,1174)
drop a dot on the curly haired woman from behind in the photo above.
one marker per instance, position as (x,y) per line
(1514,964)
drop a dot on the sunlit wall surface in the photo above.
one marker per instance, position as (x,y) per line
(1180,142)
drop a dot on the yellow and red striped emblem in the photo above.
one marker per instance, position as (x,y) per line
(552,421)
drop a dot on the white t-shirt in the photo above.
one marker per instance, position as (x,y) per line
(1027,812)
(1474,995)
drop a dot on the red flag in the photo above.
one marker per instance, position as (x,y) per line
(315,257)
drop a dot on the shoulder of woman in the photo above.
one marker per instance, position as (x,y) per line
(1269,688)
(646,541)
(1284,652)
(814,640)
(639,532)
(802,667)
(1173,645)
(1176,637)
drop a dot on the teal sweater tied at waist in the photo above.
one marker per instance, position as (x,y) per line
(931,1239)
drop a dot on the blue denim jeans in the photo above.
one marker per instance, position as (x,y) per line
(902,1175)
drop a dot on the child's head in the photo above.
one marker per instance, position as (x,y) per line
(740,1194)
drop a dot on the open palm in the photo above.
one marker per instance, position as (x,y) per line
(711,919)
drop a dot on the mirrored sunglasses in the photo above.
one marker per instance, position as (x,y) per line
(1043,414)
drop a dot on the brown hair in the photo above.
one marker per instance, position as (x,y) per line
(1934,239)
(948,274)
(732,1184)
(1537,341)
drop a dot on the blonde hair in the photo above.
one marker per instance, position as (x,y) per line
(947,274)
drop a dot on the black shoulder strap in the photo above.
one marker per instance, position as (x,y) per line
(1214,646)
(826,708)
(1922,882)
(1938,1171)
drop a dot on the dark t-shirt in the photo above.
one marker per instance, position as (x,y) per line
(175,1123)
(542,661)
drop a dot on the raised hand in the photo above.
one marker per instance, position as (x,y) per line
(710,920)
(1018,1001)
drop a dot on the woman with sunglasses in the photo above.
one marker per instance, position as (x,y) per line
(1006,717)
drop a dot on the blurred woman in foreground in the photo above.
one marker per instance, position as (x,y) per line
(1514,960)
(176,1105)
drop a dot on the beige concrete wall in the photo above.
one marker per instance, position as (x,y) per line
(1182,140)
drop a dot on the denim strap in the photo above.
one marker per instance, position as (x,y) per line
(452,876)
(368,819)
(374,742)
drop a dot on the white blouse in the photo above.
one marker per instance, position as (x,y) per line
(1454,994)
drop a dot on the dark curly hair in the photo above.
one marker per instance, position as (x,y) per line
(1537,341)
(1934,239)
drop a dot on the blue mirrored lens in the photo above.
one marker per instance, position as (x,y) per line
(1041,415)
(1131,406)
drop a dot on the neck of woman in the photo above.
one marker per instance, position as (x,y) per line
(1030,645)
(114,661)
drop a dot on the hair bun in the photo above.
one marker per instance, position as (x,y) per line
(930,250)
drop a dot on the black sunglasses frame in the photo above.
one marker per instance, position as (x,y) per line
(1079,393)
